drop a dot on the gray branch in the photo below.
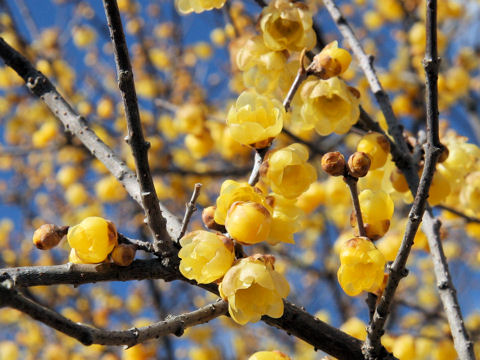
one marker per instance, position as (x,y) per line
(89,335)
(154,218)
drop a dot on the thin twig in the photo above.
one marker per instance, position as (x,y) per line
(190,208)
(467,218)
(139,244)
(352,186)
(446,289)
(259,157)
(89,335)
(135,139)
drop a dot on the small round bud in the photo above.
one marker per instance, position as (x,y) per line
(444,154)
(333,163)
(358,164)
(48,236)
(123,254)
(208,218)
(248,222)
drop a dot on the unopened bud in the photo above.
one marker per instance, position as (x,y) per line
(48,236)
(208,215)
(358,164)
(123,254)
(333,163)
(331,61)
(444,154)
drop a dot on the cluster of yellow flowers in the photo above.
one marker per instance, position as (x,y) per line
(92,241)
(252,286)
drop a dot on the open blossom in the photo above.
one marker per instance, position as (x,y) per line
(362,266)
(205,256)
(287,25)
(287,171)
(261,67)
(198,6)
(93,239)
(329,106)
(255,119)
(253,288)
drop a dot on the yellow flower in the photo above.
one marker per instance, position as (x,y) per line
(329,105)
(44,136)
(286,218)
(233,191)
(331,61)
(287,171)
(93,239)
(205,256)
(255,120)
(287,25)
(377,147)
(269,355)
(261,67)
(197,6)
(362,266)
(109,189)
(248,222)
(253,288)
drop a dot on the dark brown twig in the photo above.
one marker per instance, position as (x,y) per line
(190,208)
(468,219)
(135,139)
(352,186)
(89,335)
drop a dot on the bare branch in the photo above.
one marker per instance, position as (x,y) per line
(295,320)
(446,289)
(89,335)
(190,209)
(135,139)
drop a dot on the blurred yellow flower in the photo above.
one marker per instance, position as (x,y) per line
(287,25)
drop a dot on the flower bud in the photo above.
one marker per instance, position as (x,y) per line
(358,164)
(208,218)
(248,222)
(444,154)
(331,61)
(333,163)
(123,254)
(48,236)
(93,239)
